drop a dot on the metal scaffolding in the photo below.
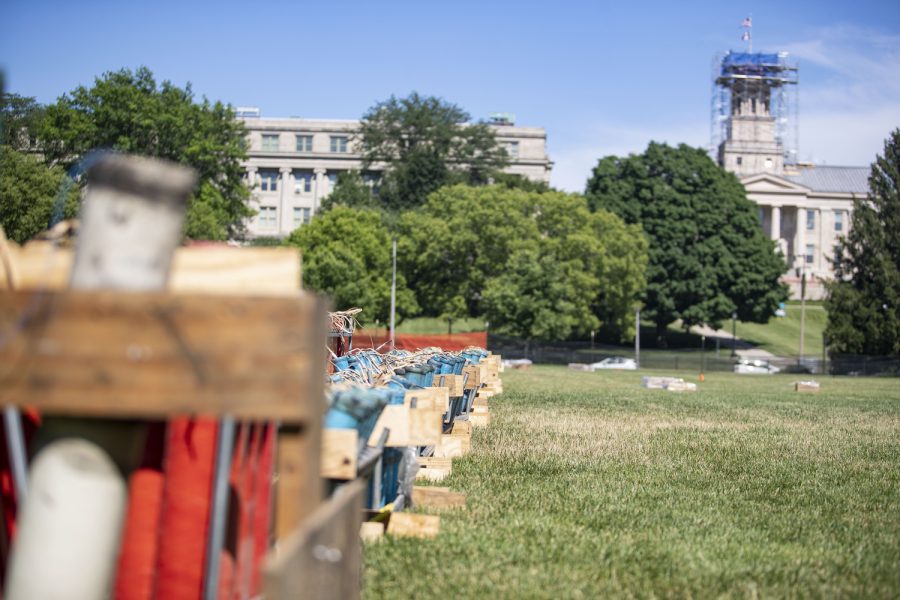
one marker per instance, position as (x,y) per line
(756,85)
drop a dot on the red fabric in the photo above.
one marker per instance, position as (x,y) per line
(135,575)
(189,465)
(262,499)
(455,341)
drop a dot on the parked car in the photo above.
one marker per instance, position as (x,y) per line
(755,367)
(615,362)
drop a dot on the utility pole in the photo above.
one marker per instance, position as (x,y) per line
(733,334)
(637,335)
(393,291)
(802,310)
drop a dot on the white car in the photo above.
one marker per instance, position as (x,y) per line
(755,367)
(615,362)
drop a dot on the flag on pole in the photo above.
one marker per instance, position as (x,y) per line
(748,22)
(745,37)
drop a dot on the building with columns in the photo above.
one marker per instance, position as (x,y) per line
(293,164)
(804,208)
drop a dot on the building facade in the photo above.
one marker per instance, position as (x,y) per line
(804,208)
(293,164)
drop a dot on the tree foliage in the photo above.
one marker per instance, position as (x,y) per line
(20,118)
(128,111)
(32,195)
(347,255)
(536,265)
(863,302)
(425,143)
(708,255)
(351,191)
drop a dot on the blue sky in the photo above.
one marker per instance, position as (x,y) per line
(601,77)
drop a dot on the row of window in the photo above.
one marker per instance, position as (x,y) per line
(338,144)
(304,178)
(838,220)
(268,216)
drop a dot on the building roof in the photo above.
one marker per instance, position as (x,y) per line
(853,180)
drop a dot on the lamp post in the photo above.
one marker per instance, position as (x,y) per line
(393,291)
(637,335)
(733,334)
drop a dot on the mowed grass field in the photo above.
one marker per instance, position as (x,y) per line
(588,486)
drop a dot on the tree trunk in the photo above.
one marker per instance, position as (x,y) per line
(661,335)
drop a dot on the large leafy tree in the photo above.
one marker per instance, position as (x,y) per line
(128,111)
(347,255)
(20,119)
(536,265)
(864,300)
(708,255)
(32,195)
(424,143)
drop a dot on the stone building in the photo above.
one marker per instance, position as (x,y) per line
(293,164)
(805,208)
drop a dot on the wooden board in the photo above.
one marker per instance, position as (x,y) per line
(453,383)
(340,448)
(404,524)
(450,447)
(215,269)
(408,426)
(480,420)
(117,355)
(371,531)
(321,559)
(434,469)
(475,376)
(298,487)
(462,427)
(437,497)
(465,441)
(434,398)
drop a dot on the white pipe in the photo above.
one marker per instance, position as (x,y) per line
(76,499)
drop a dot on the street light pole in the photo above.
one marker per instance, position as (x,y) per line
(637,335)
(733,334)
(393,291)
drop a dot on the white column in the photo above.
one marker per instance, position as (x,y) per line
(319,189)
(820,250)
(283,201)
(800,238)
(775,233)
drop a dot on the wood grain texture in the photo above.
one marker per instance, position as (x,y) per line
(437,497)
(404,524)
(321,559)
(146,355)
(339,453)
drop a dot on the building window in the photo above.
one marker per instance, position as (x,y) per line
(768,163)
(303,182)
(304,143)
(268,217)
(761,213)
(270,142)
(810,251)
(810,219)
(301,216)
(512,149)
(339,143)
(838,220)
(332,180)
(739,160)
(268,180)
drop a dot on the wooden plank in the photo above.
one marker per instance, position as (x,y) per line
(453,383)
(298,488)
(371,531)
(433,474)
(322,559)
(204,269)
(474,373)
(146,355)
(465,441)
(408,426)
(435,398)
(480,402)
(340,448)
(404,524)
(480,420)
(437,497)
(462,427)
(449,447)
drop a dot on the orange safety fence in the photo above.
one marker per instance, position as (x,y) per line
(367,338)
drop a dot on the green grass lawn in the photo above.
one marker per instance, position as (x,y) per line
(589,486)
(781,335)
(433,325)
